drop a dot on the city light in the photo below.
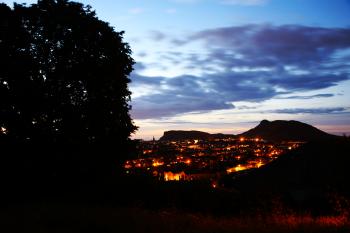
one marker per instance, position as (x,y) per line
(205,159)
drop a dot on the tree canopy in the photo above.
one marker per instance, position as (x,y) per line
(63,77)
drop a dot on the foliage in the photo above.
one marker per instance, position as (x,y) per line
(63,80)
(63,75)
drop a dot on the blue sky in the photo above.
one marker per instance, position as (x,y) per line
(224,65)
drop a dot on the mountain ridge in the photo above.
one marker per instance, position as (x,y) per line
(278,130)
(174,135)
(281,130)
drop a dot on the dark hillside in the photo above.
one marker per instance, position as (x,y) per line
(286,131)
(174,135)
(312,167)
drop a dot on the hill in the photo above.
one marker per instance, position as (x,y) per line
(312,165)
(278,130)
(176,135)
(305,178)
(286,131)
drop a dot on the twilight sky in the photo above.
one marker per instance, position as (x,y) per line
(224,65)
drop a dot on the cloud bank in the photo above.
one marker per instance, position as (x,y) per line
(245,63)
(310,110)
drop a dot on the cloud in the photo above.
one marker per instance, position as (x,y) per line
(244,107)
(307,82)
(249,63)
(310,110)
(292,56)
(139,66)
(306,97)
(277,44)
(183,94)
(172,96)
(157,35)
(142,54)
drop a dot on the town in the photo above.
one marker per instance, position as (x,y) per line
(210,159)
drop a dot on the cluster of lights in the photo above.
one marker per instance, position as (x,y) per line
(206,156)
(3,130)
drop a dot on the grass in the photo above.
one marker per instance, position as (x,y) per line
(69,218)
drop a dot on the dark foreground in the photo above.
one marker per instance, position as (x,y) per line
(303,191)
(68,218)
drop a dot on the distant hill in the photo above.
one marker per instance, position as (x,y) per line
(177,135)
(287,130)
(223,136)
(269,130)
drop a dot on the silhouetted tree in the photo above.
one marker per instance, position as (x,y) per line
(63,85)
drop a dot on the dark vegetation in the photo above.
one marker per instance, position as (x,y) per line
(62,218)
(64,97)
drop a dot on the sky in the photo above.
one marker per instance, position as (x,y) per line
(225,65)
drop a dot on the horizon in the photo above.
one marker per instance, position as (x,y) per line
(222,66)
(237,132)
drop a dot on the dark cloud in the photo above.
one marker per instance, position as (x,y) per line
(289,49)
(138,80)
(247,63)
(310,110)
(142,54)
(184,94)
(288,44)
(173,96)
(162,105)
(206,123)
(244,107)
(172,58)
(157,35)
(307,82)
(139,66)
(179,42)
(303,97)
